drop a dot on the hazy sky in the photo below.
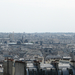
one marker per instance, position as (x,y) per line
(37,16)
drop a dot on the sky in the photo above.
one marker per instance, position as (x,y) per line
(32,16)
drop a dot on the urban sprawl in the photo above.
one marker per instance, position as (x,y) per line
(37,53)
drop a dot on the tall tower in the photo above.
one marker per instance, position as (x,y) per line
(13,35)
(22,39)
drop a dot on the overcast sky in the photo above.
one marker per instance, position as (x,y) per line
(37,16)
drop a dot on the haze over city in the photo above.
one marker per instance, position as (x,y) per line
(37,16)
(37,37)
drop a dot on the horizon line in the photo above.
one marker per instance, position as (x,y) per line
(36,32)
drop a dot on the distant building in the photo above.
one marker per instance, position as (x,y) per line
(73,58)
(73,55)
(41,42)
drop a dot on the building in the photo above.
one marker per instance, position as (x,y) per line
(36,68)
